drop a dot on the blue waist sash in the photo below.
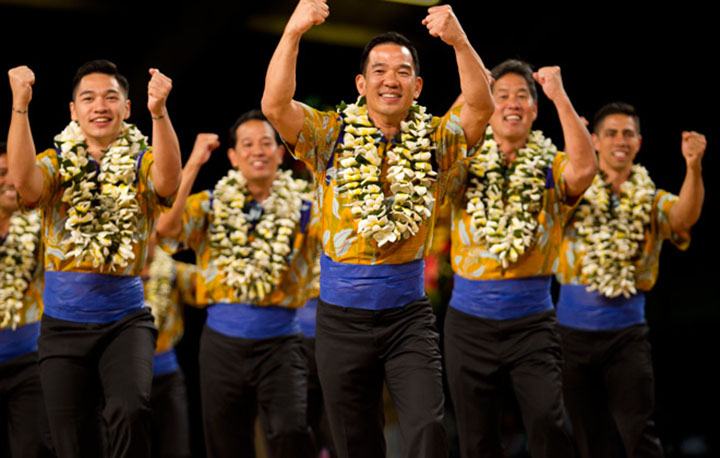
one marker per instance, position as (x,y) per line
(91,298)
(306,317)
(588,310)
(371,287)
(165,363)
(248,321)
(502,299)
(21,341)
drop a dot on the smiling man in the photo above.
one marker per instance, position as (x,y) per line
(381,163)
(609,258)
(252,245)
(506,229)
(100,190)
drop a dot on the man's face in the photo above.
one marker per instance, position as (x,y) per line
(8,195)
(100,107)
(256,154)
(389,83)
(617,142)
(515,109)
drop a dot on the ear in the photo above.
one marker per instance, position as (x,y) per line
(639,142)
(418,87)
(595,141)
(360,84)
(534,110)
(233,156)
(280,153)
(127,109)
(73,113)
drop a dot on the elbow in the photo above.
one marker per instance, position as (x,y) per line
(168,229)
(270,108)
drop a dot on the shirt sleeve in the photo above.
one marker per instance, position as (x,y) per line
(662,204)
(48,162)
(317,139)
(146,184)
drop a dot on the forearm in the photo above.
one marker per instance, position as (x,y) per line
(686,211)
(474,84)
(280,85)
(582,165)
(170,223)
(166,155)
(22,170)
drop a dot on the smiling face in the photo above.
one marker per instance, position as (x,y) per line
(515,108)
(389,83)
(8,195)
(100,107)
(256,153)
(617,142)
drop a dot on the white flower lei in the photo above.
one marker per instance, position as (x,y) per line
(409,174)
(610,234)
(254,268)
(160,285)
(18,261)
(103,215)
(503,208)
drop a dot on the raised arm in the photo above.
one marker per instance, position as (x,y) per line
(686,211)
(166,149)
(24,174)
(277,102)
(478,104)
(582,166)
(170,223)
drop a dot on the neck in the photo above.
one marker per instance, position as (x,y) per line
(389,126)
(510,146)
(614,176)
(260,189)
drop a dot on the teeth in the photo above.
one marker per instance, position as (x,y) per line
(512,118)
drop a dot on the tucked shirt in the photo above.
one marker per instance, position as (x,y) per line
(576,306)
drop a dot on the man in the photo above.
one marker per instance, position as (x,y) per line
(380,179)
(168,284)
(24,427)
(249,235)
(609,258)
(99,190)
(506,229)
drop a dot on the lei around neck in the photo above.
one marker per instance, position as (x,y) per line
(386,219)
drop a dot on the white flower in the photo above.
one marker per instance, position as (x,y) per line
(610,230)
(18,261)
(409,174)
(159,286)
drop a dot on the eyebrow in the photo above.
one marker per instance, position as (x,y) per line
(90,92)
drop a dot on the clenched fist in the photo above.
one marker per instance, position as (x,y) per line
(21,83)
(550,80)
(693,147)
(308,13)
(204,145)
(441,22)
(159,89)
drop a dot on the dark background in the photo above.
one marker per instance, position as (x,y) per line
(662,60)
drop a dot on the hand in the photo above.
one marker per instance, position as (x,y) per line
(693,147)
(159,88)
(441,22)
(204,145)
(551,82)
(308,13)
(21,83)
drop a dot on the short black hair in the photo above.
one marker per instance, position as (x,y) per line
(100,66)
(3,148)
(390,37)
(252,115)
(615,108)
(517,67)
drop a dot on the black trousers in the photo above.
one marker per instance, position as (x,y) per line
(98,373)
(238,378)
(609,389)
(25,431)
(482,355)
(356,351)
(170,422)
(316,413)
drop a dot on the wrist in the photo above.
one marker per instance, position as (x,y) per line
(158,115)
(20,108)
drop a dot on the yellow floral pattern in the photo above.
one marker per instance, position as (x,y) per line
(647,264)
(316,147)
(55,213)
(475,262)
